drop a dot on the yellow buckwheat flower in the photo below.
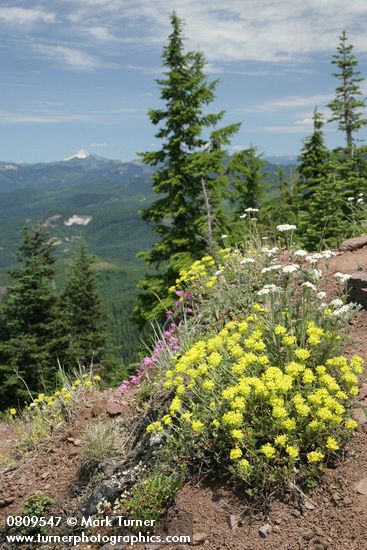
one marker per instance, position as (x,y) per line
(281,440)
(314,456)
(351,424)
(280,331)
(197,426)
(235,454)
(332,444)
(244,464)
(268,450)
(292,452)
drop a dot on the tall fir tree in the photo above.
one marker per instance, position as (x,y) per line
(83,314)
(189,177)
(312,162)
(33,337)
(348,103)
(246,169)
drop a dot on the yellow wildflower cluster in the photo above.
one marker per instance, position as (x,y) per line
(232,390)
(62,396)
(203,270)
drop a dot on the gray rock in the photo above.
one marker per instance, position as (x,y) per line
(265,530)
(360,416)
(309,535)
(233,521)
(362,487)
(353,244)
(357,288)
(199,538)
(106,490)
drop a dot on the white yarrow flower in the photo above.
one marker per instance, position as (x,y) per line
(328,254)
(218,272)
(342,276)
(290,268)
(251,209)
(267,289)
(243,216)
(314,258)
(301,253)
(247,261)
(344,310)
(271,268)
(350,199)
(309,285)
(321,295)
(337,303)
(286,227)
(315,273)
(224,236)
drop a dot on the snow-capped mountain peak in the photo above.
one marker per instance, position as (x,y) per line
(79,155)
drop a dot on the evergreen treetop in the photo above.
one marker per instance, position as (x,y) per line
(190,177)
(347,105)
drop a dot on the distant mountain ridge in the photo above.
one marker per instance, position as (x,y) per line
(75,170)
(83,168)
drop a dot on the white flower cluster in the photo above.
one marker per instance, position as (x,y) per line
(309,285)
(301,253)
(247,261)
(270,251)
(269,289)
(343,311)
(286,227)
(343,277)
(291,268)
(275,267)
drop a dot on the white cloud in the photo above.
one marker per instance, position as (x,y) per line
(100,33)
(9,117)
(289,102)
(238,30)
(76,59)
(25,15)
(295,128)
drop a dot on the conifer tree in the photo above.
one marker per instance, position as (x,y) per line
(84,320)
(247,176)
(347,105)
(32,339)
(189,177)
(312,163)
(326,223)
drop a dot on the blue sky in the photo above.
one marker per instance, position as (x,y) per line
(80,73)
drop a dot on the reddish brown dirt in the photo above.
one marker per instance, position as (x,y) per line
(52,467)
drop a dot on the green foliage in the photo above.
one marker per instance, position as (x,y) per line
(32,338)
(247,174)
(312,162)
(36,505)
(347,105)
(151,496)
(82,312)
(189,177)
